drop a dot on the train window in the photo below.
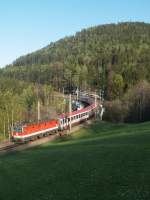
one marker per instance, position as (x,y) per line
(68,119)
(17,129)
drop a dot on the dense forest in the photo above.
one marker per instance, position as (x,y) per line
(114,58)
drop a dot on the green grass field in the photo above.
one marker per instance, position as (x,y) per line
(104,162)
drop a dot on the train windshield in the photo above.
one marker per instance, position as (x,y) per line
(17,129)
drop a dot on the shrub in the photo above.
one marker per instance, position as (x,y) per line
(116,111)
(138,101)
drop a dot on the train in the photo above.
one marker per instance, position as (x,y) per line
(30,132)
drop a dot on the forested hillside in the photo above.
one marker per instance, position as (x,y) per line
(108,52)
(113,57)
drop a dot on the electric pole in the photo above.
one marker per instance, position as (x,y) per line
(95,104)
(95,99)
(70,110)
(12,121)
(39,114)
(4,129)
(77,94)
(63,92)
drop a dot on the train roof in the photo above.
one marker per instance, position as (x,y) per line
(77,112)
(25,124)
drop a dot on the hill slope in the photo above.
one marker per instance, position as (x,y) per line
(90,42)
(107,161)
(107,52)
(114,58)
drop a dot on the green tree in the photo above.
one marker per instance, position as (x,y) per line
(118,85)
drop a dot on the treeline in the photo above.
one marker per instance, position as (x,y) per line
(112,57)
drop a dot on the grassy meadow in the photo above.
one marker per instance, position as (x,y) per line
(105,162)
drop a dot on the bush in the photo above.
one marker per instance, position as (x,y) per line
(116,111)
(138,100)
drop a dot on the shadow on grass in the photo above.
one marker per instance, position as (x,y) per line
(103,134)
(99,133)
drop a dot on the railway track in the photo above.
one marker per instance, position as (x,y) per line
(8,147)
(12,147)
(20,147)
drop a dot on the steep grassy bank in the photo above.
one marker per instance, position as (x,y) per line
(106,161)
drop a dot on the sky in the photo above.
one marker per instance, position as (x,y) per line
(28,25)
